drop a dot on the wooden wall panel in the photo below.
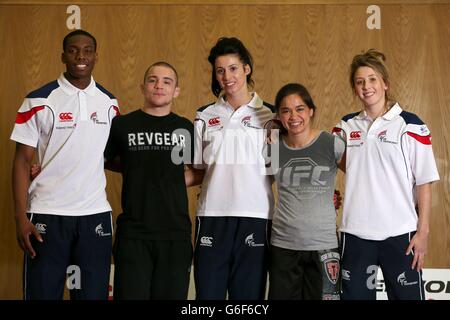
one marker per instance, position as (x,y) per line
(437,106)
(311,44)
(218,2)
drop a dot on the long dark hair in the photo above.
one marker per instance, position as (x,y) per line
(226,46)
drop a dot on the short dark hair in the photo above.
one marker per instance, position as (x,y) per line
(226,46)
(78,32)
(163,64)
(294,88)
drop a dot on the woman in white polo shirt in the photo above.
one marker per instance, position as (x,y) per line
(236,201)
(389,169)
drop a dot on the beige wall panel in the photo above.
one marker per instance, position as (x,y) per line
(311,44)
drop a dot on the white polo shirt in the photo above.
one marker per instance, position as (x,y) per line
(386,158)
(229,145)
(70,128)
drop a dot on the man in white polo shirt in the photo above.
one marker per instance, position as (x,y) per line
(63,218)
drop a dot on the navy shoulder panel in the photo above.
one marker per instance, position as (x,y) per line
(204,107)
(102,89)
(410,118)
(268,105)
(44,91)
(349,116)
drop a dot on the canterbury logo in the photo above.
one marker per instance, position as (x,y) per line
(40,227)
(65,116)
(214,121)
(206,241)
(355,135)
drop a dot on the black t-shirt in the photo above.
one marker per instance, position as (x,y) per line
(153,151)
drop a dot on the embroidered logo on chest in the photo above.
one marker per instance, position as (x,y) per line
(382,137)
(95,120)
(65,117)
(355,135)
(246,122)
(214,122)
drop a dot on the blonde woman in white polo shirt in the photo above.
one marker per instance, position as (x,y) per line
(389,169)
(236,202)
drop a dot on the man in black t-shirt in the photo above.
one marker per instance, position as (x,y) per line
(152,145)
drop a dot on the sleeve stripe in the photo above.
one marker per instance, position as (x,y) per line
(23,117)
(336,130)
(116,109)
(421,139)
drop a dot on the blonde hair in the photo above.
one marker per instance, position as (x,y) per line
(373,59)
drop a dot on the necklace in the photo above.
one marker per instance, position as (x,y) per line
(382,113)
